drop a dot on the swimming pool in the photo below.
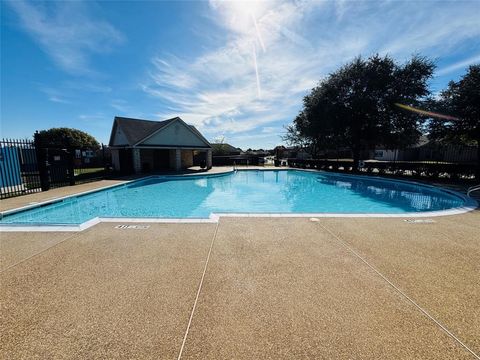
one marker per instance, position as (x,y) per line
(244,191)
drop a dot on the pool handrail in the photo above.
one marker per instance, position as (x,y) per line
(472,189)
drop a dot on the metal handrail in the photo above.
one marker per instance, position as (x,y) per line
(472,189)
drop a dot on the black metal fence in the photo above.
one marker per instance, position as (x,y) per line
(91,164)
(19,173)
(420,169)
(431,160)
(27,167)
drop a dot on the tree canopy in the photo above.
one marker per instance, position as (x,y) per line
(355,106)
(461,100)
(66,137)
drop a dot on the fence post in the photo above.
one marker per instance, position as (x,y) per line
(477,171)
(104,162)
(42,162)
(71,165)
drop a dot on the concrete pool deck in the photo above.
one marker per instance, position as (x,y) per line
(245,288)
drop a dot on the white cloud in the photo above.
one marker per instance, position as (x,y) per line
(463,64)
(67,32)
(220,90)
(58,99)
(55,95)
(120,105)
(92,117)
(294,44)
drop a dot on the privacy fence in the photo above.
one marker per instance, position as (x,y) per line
(26,167)
(435,162)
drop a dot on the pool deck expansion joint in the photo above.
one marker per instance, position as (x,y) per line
(198,293)
(404,295)
(41,251)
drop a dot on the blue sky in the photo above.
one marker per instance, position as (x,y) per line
(236,70)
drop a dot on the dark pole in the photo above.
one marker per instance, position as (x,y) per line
(477,172)
(42,163)
(105,163)
(70,160)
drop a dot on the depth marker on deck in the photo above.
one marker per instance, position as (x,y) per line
(135,227)
(419,221)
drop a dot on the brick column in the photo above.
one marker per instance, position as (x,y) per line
(209,159)
(178,159)
(137,164)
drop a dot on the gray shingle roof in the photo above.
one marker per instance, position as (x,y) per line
(136,129)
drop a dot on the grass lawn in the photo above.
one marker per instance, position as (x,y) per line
(88,171)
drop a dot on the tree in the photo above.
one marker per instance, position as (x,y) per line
(355,107)
(219,148)
(461,100)
(66,137)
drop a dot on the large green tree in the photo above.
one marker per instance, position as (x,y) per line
(461,100)
(66,137)
(355,106)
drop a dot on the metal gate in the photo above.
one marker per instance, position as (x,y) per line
(28,166)
(55,167)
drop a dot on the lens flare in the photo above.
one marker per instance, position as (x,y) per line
(426,113)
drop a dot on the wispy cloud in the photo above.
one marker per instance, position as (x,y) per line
(58,99)
(222,89)
(274,52)
(92,117)
(95,121)
(120,105)
(459,65)
(67,32)
(55,96)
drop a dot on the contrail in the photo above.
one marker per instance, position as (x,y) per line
(256,70)
(259,36)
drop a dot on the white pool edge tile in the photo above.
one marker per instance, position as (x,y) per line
(470,205)
(215,217)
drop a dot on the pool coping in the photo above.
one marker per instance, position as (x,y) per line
(87,192)
(470,205)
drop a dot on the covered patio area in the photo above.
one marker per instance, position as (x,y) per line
(146,159)
(143,146)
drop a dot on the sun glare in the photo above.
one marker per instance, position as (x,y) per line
(242,15)
(247,8)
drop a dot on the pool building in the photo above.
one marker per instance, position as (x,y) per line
(142,146)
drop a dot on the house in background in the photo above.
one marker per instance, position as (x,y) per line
(381,153)
(143,145)
(428,150)
(293,152)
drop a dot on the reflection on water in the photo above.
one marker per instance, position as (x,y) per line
(244,191)
(406,196)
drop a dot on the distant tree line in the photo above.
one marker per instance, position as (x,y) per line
(377,101)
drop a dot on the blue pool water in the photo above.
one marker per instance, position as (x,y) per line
(284,191)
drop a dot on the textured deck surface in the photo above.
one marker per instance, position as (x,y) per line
(272,288)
